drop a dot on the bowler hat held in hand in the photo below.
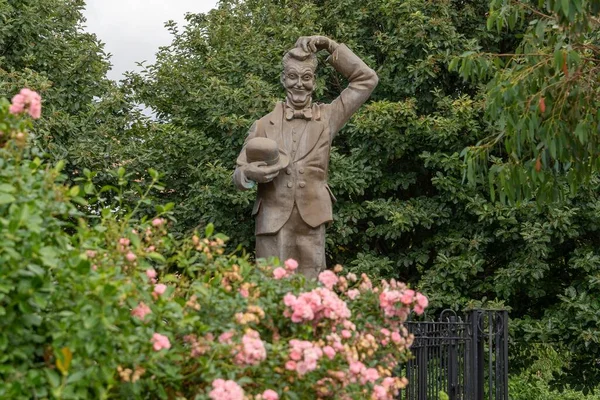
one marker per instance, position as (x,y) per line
(267,151)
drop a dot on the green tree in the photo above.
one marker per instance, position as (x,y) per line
(43,46)
(541,100)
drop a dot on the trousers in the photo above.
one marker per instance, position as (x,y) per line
(298,240)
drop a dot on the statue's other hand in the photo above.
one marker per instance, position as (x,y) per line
(259,172)
(313,43)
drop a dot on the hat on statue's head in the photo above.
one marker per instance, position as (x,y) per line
(266,150)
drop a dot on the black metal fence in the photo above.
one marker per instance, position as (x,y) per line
(459,358)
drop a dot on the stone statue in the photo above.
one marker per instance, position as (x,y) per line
(287,154)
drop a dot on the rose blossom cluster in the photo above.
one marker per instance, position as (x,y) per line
(315,305)
(290,266)
(27,99)
(252,350)
(329,279)
(160,342)
(304,356)
(141,311)
(396,303)
(268,394)
(389,388)
(359,372)
(226,390)
(199,345)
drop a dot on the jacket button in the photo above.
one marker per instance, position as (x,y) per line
(302,184)
(288,171)
(301,170)
(290,184)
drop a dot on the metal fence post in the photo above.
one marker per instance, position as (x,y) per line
(452,360)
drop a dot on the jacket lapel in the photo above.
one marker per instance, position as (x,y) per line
(273,127)
(314,129)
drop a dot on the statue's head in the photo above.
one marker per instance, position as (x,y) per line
(298,77)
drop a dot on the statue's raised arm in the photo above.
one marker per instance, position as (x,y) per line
(287,154)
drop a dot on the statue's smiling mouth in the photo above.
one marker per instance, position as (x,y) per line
(299,97)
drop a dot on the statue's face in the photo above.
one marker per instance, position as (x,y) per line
(299,82)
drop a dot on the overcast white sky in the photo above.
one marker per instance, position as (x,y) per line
(132,30)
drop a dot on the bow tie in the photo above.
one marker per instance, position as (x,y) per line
(290,113)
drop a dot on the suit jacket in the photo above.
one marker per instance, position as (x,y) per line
(304,181)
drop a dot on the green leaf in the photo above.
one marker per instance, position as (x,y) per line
(6,198)
(49,256)
(153,173)
(565,4)
(7,188)
(156,256)
(210,228)
(74,191)
(53,377)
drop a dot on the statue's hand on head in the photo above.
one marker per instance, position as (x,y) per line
(315,43)
(259,172)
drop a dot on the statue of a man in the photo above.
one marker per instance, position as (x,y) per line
(294,202)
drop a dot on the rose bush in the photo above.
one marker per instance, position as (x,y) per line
(98,301)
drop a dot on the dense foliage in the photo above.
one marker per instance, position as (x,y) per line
(396,169)
(111,306)
(541,100)
(43,46)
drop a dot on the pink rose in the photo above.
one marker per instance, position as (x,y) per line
(27,98)
(225,337)
(158,222)
(160,342)
(244,292)
(380,393)
(388,382)
(370,375)
(290,365)
(151,273)
(353,294)
(160,289)
(130,257)
(356,367)
(270,395)
(346,334)
(18,104)
(329,352)
(226,390)
(407,296)
(291,264)
(328,279)
(422,301)
(141,311)
(252,351)
(279,273)
(303,368)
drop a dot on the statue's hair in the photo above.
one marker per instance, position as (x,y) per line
(298,54)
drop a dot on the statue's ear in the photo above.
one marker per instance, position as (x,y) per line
(282,78)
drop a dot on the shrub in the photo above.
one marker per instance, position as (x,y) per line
(97,301)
